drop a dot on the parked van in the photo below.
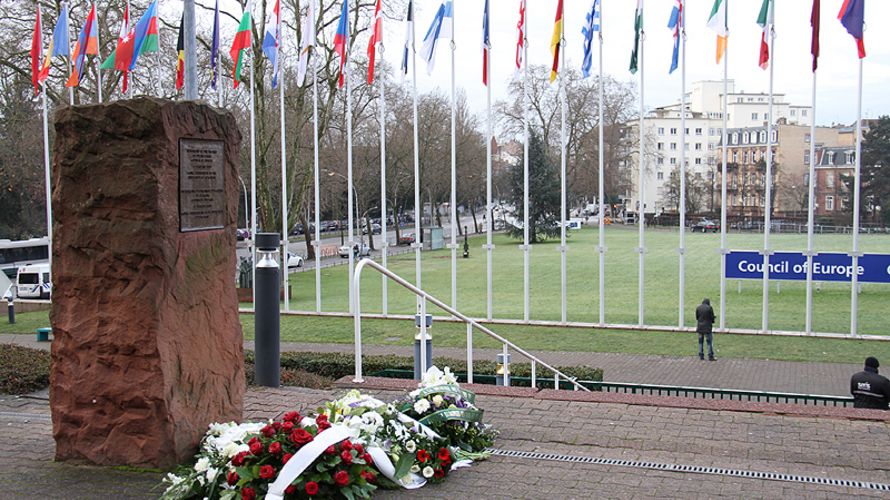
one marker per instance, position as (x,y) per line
(33,282)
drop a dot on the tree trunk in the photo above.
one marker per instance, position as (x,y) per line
(397,211)
(370,233)
(308,233)
(475,222)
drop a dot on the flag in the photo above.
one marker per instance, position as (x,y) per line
(271,41)
(556,41)
(241,42)
(376,37)
(814,42)
(180,54)
(123,54)
(133,42)
(36,52)
(87,44)
(409,36)
(214,46)
(592,26)
(441,27)
(765,20)
(307,43)
(146,39)
(59,42)
(486,45)
(638,29)
(852,16)
(341,39)
(717,22)
(520,42)
(675,23)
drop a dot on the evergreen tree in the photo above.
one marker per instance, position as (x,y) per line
(875,191)
(543,196)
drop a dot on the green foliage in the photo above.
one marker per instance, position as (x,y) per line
(23,370)
(876,170)
(543,199)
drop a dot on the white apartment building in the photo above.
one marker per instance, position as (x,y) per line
(704,123)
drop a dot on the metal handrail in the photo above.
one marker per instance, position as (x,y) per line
(357,315)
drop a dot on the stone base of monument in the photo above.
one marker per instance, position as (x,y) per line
(148,344)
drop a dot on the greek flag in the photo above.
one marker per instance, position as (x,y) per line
(441,27)
(593,25)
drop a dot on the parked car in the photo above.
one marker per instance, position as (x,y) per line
(406,239)
(294,260)
(362,250)
(706,225)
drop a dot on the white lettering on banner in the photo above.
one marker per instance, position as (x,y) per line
(847,271)
(753,267)
(888,269)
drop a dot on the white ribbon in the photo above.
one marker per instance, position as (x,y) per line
(384,465)
(304,457)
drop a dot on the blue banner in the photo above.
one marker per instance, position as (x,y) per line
(872,268)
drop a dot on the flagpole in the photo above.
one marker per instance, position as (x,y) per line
(767,205)
(68,51)
(488,204)
(384,247)
(525,243)
(454,220)
(562,170)
(418,210)
(811,204)
(350,220)
(723,249)
(601,248)
(285,224)
(253,224)
(98,56)
(682,249)
(855,254)
(316,174)
(218,60)
(642,201)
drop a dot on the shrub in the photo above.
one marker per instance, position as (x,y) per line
(22,369)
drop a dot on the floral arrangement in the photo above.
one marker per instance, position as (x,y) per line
(348,449)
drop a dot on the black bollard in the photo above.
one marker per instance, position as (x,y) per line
(10,308)
(267,312)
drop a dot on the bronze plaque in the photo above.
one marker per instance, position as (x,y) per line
(202,200)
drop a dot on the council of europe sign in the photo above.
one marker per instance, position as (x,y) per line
(872,268)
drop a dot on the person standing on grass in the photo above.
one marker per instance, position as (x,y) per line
(869,389)
(704,316)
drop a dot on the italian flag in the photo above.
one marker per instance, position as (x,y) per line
(242,42)
(718,22)
(765,20)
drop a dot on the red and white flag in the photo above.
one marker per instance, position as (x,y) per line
(124,52)
(376,37)
(520,43)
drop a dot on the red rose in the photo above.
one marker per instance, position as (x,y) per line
(445,463)
(444,454)
(290,490)
(358,448)
(346,445)
(276,426)
(321,418)
(346,456)
(438,473)
(238,459)
(300,436)
(287,427)
(253,440)
(291,416)
(369,476)
(367,458)
(267,472)
(323,426)
(268,431)
(311,488)
(423,456)
(256,448)
(232,478)
(247,493)
(330,450)
(275,448)
(341,478)
(286,457)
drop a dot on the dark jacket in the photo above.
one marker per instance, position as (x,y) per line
(704,315)
(870,390)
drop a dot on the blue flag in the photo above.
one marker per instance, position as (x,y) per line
(441,27)
(214,46)
(592,25)
(674,23)
(60,34)
(409,35)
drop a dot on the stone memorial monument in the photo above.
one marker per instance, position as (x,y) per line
(148,347)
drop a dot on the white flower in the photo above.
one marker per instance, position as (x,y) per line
(415,469)
(428,472)
(421,406)
(202,464)
(410,446)
(448,377)
(211,473)
(371,422)
(438,400)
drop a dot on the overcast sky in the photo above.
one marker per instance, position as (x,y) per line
(838,64)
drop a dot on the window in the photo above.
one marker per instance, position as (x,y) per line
(735,138)
(698,146)
(806,138)
(698,131)
(673,161)
(673,131)
(745,157)
(673,146)
(745,138)
(735,156)
(830,158)
(829,203)
(660,161)
(850,157)
(750,99)
(803,112)
(753,116)
(755,156)
(740,99)
(775,136)
(660,130)
(660,146)
(698,162)
(687,131)
(829,180)
(806,158)
(793,112)
(660,176)
(762,136)
(712,131)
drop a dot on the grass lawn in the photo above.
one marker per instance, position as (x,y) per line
(744,299)
(534,338)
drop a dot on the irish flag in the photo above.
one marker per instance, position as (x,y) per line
(241,43)
(765,20)
(718,22)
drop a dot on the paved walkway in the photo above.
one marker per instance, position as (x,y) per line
(853,450)
(744,374)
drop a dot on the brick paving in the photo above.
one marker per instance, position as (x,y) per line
(840,448)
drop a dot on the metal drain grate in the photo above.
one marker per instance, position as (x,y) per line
(695,469)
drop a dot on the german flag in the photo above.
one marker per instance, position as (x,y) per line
(180,59)
(556,41)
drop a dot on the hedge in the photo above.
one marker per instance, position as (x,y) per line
(22,369)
